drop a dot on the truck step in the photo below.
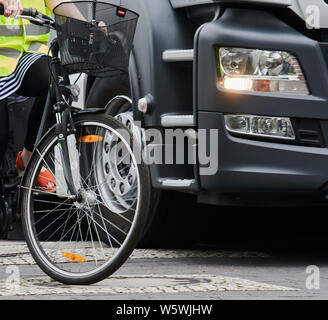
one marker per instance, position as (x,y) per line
(178,55)
(177,183)
(172,121)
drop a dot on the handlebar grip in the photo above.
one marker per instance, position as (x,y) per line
(2,9)
(30,12)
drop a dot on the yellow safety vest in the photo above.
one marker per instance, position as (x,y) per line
(18,36)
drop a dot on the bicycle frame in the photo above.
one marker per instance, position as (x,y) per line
(59,93)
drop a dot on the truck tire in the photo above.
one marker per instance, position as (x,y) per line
(114,108)
(167,225)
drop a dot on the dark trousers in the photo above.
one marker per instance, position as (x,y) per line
(35,84)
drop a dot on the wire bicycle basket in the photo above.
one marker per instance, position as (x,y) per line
(97,38)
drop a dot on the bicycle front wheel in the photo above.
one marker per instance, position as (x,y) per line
(85,241)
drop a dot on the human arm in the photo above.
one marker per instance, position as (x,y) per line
(69,10)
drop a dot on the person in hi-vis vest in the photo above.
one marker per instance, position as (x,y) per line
(24,71)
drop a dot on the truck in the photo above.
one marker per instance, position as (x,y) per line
(245,83)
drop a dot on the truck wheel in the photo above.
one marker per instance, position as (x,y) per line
(121,108)
(168,225)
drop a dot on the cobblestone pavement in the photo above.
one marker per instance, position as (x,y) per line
(171,274)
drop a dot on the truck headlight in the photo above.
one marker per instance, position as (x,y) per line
(261,71)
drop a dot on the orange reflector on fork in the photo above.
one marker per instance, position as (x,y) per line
(73,257)
(91,139)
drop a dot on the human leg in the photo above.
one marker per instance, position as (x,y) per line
(4,128)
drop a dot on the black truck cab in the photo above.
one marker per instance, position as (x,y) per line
(245,83)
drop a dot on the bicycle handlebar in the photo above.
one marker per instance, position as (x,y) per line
(29,12)
(33,16)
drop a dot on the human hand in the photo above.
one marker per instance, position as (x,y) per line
(12,8)
(102,27)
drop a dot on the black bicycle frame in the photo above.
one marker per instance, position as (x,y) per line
(59,102)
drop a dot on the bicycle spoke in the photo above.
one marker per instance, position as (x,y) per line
(49,212)
(104,229)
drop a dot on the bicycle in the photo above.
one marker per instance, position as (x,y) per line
(97,210)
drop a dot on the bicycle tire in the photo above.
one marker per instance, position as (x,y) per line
(31,196)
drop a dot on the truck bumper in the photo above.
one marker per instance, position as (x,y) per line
(257,166)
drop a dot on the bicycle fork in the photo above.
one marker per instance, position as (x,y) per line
(64,120)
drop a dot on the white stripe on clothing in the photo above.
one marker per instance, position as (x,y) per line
(10,84)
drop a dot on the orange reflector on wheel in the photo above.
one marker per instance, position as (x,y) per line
(73,257)
(91,139)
